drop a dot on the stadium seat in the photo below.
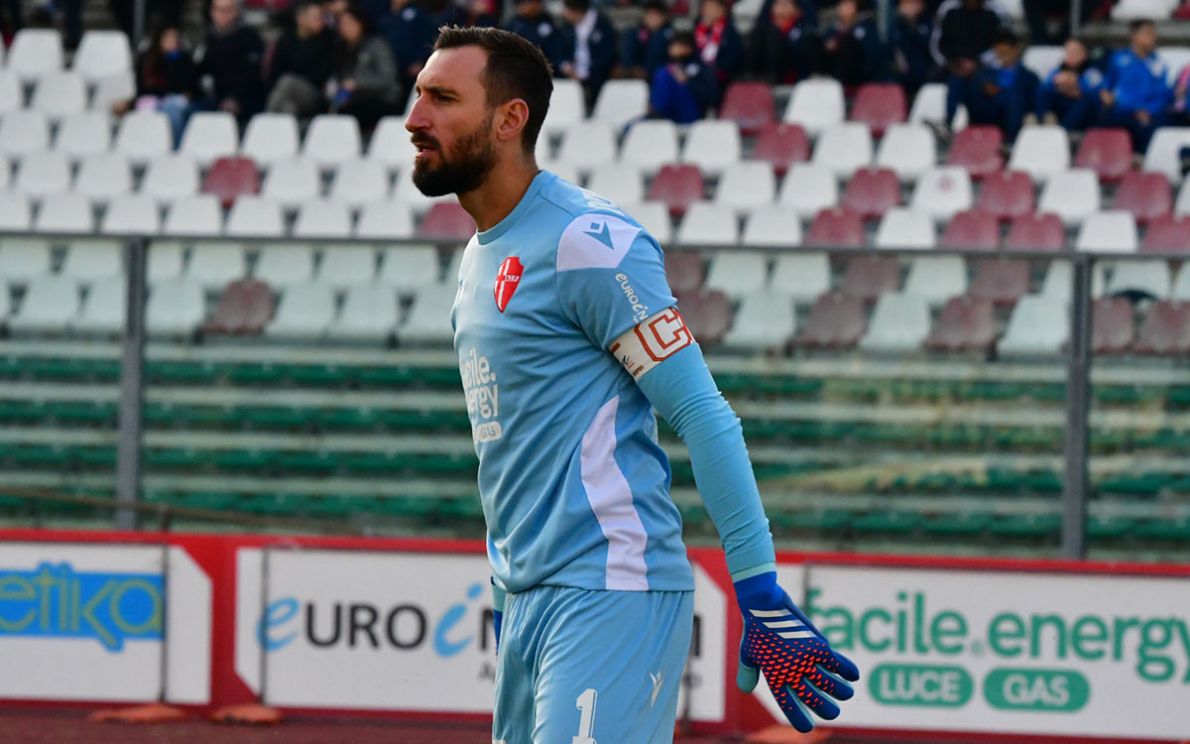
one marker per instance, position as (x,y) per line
(1150,279)
(1112,326)
(143,136)
(685,271)
(750,106)
(1036,232)
(332,139)
(617,182)
(1146,195)
(166,261)
(291,182)
(943,192)
(385,220)
(621,102)
(1108,152)
(131,214)
(43,173)
(879,105)
(447,221)
(1182,205)
(113,89)
(88,261)
(174,308)
(230,178)
(24,132)
(194,215)
(971,229)
(712,145)
(359,182)
(50,304)
(255,217)
(1181,285)
(1041,151)
(978,150)
(677,187)
(765,320)
(65,213)
(1038,326)
(1164,154)
(305,311)
(1134,10)
(103,309)
(323,219)
(103,177)
(804,277)
(782,146)
(808,189)
(868,277)
(708,315)
(280,265)
(1113,231)
(12,96)
(738,274)
(1165,330)
(836,228)
(817,105)
(937,278)
(654,217)
(59,94)
(347,265)
(587,145)
(929,105)
(102,53)
(369,314)
(214,264)
(746,185)
(244,308)
(900,323)
(409,268)
(905,228)
(844,149)
(82,134)
(1167,235)
(210,136)
(16,213)
(170,178)
(708,224)
(428,321)
(271,138)
(1177,57)
(35,53)
(908,150)
(965,324)
(871,192)
(567,107)
(1000,281)
(836,321)
(1073,195)
(406,192)
(772,225)
(1042,59)
(23,261)
(390,144)
(1058,279)
(650,144)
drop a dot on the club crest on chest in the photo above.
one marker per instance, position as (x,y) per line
(508,278)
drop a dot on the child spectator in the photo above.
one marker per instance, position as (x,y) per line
(230,63)
(783,47)
(854,54)
(1136,93)
(999,93)
(410,31)
(302,63)
(1070,94)
(685,88)
(646,47)
(367,73)
(590,46)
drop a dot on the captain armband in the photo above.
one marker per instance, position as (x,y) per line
(651,342)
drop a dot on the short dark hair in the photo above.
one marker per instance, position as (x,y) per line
(657,6)
(516,68)
(582,5)
(1138,24)
(1006,36)
(684,37)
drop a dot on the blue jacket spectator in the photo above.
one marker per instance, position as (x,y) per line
(783,47)
(1071,92)
(646,47)
(854,54)
(719,43)
(410,31)
(1137,92)
(999,93)
(533,23)
(909,41)
(684,89)
(589,50)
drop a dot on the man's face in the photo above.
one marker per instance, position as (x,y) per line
(654,20)
(784,11)
(1006,53)
(679,50)
(846,12)
(528,8)
(224,13)
(1145,39)
(451,123)
(572,16)
(1074,54)
(311,21)
(712,11)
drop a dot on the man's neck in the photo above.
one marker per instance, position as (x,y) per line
(497,196)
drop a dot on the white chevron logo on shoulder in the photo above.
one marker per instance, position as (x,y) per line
(782,619)
(658,680)
(595,241)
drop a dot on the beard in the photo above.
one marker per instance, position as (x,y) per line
(463,170)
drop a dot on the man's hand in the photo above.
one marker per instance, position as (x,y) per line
(801,669)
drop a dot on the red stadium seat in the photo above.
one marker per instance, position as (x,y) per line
(750,105)
(1112,327)
(1166,329)
(782,145)
(837,228)
(447,221)
(868,277)
(871,192)
(229,178)
(1167,234)
(978,150)
(685,271)
(1036,232)
(677,186)
(1108,152)
(879,105)
(244,308)
(1000,281)
(1007,195)
(836,321)
(1146,195)
(707,313)
(971,230)
(965,324)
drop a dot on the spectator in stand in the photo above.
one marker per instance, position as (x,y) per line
(367,72)
(469,13)
(158,13)
(533,23)
(686,87)
(854,54)
(302,63)
(166,81)
(1136,94)
(1040,13)
(410,31)
(964,30)
(718,41)
(590,47)
(909,42)
(646,47)
(1070,94)
(12,19)
(782,47)
(230,63)
(999,93)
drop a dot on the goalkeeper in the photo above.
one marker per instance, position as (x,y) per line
(568,339)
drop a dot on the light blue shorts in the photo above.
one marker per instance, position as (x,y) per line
(591,667)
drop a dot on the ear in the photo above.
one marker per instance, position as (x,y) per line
(511,118)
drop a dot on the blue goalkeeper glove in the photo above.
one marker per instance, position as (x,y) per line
(498,595)
(797,661)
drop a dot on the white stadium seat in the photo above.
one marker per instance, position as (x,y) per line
(166,261)
(708,224)
(291,182)
(385,220)
(59,94)
(174,308)
(344,265)
(650,144)
(746,185)
(255,217)
(50,305)
(407,193)
(103,309)
(43,173)
(359,182)
(772,225)
(936,279)
(12,97)
(802,276)
(620,102)
(738,274)
(369,313)
(566,107)
(321,218)
(113,89)
(35,52)
(144,135)
(132,214)
(5,170)
(408,268)
(942,192)
(1149,277)
(332,139)
(210,135)
(1150,10)
(765,320)
(102,53)
(23,132)
(104,176)
(817,105)
(16,212)
(1038,325)
(1041,151)
(844,148)
(170,178)
(1164,152)
(809,188)
(304,312)
(907,150)
(93,260)
(429,319)
(391,145)
(65,213)
(1181,285)
(1056,285)
(905,228)
(654,217)
(281,265)
(85,133)
(929,105)
(270,138)
(1175,58)
(900,323)
(587,145)
(619,183)
(25,260)
(712,145)
(1043,59)
(215,264)
(1073,195)
(194,215)
(1113,231)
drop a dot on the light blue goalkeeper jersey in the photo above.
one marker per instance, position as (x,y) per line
(575,488)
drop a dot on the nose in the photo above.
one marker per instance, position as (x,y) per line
(416,121)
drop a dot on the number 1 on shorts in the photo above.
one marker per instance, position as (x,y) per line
(586,721)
